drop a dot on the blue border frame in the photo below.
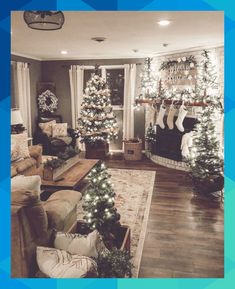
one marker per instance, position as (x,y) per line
(89,5)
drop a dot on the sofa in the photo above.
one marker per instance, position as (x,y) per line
(29,166)
(33,223)
(33,220)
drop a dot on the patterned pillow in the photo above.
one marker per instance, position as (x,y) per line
(20,142)
(15,152)
(85,245)
(46,127)
(59,129)
(56,263)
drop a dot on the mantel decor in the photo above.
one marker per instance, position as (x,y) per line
(186,61)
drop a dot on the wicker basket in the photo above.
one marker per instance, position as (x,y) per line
(133,150)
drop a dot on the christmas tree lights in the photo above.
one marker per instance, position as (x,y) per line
(148,81)
(97,122)
(101,213)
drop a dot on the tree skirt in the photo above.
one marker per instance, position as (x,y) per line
(133,199)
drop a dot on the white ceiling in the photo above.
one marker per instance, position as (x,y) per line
(124,31)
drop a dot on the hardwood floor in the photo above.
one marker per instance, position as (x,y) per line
(185,233)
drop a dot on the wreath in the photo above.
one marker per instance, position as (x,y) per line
(47,101)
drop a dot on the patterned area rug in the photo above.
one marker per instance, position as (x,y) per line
(133,199)
(134,190)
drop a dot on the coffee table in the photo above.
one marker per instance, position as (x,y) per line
(72,178)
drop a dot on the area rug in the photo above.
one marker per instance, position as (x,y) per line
(133,199)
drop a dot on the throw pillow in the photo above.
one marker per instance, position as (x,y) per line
(85,245)
(21,140)
(59,129)
(15,152)
(46,127)
(28,183)
(56,263)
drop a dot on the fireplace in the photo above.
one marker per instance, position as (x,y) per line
(168,142)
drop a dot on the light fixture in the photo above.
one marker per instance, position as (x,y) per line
(64,52)
(98,39)
(44,20)
(164,22)
(16,121)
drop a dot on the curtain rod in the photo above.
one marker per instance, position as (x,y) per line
(20,61)
(68,66)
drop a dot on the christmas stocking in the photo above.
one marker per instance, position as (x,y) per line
(170,116)
(160,116)
(182,113)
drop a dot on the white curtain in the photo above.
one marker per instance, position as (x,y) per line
(22,90)
(76,74)
(129,99)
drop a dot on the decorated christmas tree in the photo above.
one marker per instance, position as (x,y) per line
(101,213)
(148,80)
(206,159)
(97,122)
(206,162)
(150,137)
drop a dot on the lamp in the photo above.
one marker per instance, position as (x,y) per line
(44,20)
(16,121)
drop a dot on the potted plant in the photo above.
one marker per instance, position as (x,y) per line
(115,264)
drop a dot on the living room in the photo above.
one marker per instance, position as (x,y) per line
(117,141)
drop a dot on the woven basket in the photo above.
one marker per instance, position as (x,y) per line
(133,150)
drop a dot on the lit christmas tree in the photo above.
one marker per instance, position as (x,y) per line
(97,122)
(148,81)
(150,137)
(206,159)
(101,213)
(206,88)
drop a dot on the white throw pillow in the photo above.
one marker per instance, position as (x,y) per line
(46,127)
(32,183)
(59,129)
(21,140)
(56,263)
(15,152)
(85,245)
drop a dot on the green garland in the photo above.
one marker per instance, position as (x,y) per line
(190,61)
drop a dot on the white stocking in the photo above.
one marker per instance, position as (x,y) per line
(160,116)
(170,116)
(182,113)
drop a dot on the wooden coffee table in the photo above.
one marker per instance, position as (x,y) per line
(72,178)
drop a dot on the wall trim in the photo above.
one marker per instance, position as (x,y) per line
(25,55)
(192,49)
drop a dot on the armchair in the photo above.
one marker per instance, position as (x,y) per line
(53,145)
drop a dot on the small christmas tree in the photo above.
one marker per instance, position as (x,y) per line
(150,136)
(148,80)
(206,160)
(101,213)
(97,122)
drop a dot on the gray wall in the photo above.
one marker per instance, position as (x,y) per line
(58,72)
(35,77)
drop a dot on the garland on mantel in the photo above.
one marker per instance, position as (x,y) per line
(188,61)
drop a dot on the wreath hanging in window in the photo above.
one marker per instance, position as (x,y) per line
(47,101)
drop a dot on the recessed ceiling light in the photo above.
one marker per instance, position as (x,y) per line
(64,52)
(164,22)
